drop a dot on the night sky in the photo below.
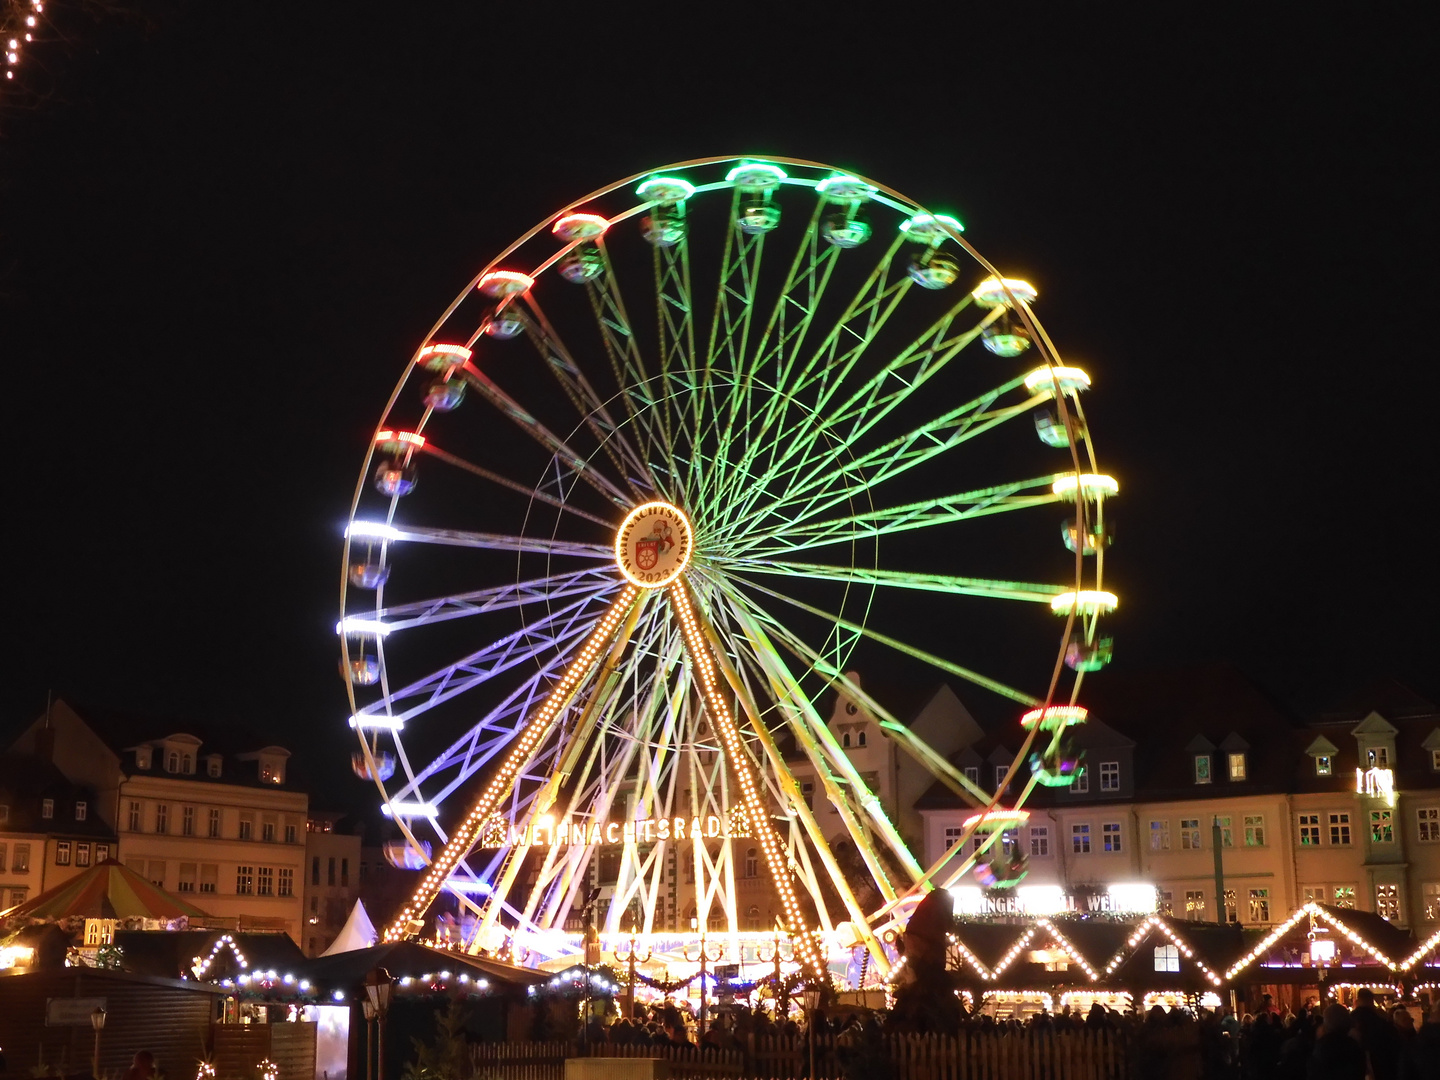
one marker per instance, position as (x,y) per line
(224,228)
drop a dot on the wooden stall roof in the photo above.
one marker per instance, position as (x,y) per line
(172,954)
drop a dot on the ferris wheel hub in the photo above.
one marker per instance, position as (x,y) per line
(654,544)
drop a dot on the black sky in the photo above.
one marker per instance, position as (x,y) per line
(226,226)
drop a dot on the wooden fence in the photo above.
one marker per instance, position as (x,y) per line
(970,1055)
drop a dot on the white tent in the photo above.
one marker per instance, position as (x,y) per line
(357,933)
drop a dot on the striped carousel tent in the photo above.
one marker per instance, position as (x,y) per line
(107,890)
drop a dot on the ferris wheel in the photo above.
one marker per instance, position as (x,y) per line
(671,465)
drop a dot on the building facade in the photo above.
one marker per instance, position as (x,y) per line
(50,829)
(220,824)
(332,879)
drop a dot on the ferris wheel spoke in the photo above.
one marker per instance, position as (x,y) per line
(560,504)
(532,545)
(587,582)
(553,633)
(594,412)
(675,316)
(897,579)
(940,663)
(793,535)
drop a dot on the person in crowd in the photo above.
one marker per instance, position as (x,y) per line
(142,1067)
(1337,1054)
(1378,1036)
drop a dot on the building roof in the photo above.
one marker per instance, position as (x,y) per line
(107,890)
(26,780)
(173,954)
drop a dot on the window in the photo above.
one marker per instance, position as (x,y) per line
(1202,768)
(1314,894)
(1254,830)
(1165,903)
(142,757)
(21,863)
(62,853)
(1189,834)
(187,821)
(212,767)
(330,872)
(1343,896)
(845,740)
(1160,836)
(186,882)
(315,870)
(1236,763)
(1259,905)
(1000,771)
(1110,834)
(1167,958)
(47,808)
(155,871)
(82,810)
(752,863)
(1339,828)
(266,881)
(1435,760)
(1429,819)
(134,816)
(209,875)
(102,852)
(162,818)
(1382,827)
(82,854)
(172,762)
(972,773)
(245,880)
(187,764)
(1430,897)
(752,918)
(953,833)
(214,826)
(1194,905)
(1040,840)
(345,872)
(247,826)
(1109,776)
(1387,901)
(286,885)
(17,896)
(1379,757)
(290,834)
(1227,834)
(267,832)
(1309,830)
(1081,784)
(1080,839)
(860,737)
(1230,914)
(1323,765)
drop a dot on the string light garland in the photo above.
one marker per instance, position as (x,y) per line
(1064,943)
(19,23)
(703,666)
(267,1069)
(1155,922)
(1314,911)
(200,967)
(1332,990)
(468,832)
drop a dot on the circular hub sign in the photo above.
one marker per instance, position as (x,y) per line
(653,545)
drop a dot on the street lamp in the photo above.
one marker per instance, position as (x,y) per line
(632,958)
(705,960)
(97,1021)
(810,999)
(776,956)
(369,1008)
(377,990)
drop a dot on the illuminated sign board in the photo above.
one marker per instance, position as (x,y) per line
(546,831)
(1137,898)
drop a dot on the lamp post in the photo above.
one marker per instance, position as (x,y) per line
(775,957)
(810,998)
(369,1008)
(97,1021)
(377,990)
(631,958)
(705,960)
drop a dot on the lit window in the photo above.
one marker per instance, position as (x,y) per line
(1343,896)
(1227,835)
(1382,827)
(1339,828)
(1387,901)
(1435,760)
(1430,896)
(21,863)
(142,757)
(1202,768)
(82,811)
(1194,905)
(1159,836)
(82,854)
(62,853)
(1260,905)
(1040,840)
(1080,839)
(1309,830)
(1429,819)
(1166,902)
(1314,894)
(1190,834)
(1167,958)
(1230,913)
(245,880)
(102,852)
(1379,757)
(1254,830)
(212,766)
(1110,834)
(1109,776)
(47,808)
(1323,765)
(1237,766)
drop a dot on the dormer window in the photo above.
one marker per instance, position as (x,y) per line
(860,737)
(972,773)
(172,762)
(272,771)
(1379,757)
(1324,764)
(845,740)
(212,765)
(1202,768)
(47,808)
(142,757)
(187,765)
(82,811)
(1237,766)
(1435,760)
